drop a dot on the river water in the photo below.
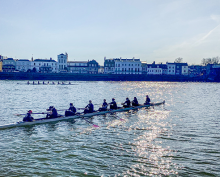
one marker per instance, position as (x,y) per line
(180,138)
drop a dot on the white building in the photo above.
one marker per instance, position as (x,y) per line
(62,61)
(128,66)
(156,69)
(23,65)
(44,65)
(122,66)
(171,68)
(77,66)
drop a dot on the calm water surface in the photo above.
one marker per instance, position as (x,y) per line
(180,138)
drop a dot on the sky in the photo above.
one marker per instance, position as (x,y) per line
(152,30)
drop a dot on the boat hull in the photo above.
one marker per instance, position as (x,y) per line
(41,121)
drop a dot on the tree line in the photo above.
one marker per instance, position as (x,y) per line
(214,60)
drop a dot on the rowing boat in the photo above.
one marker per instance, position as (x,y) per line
(43,120)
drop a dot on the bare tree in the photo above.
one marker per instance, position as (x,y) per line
(178,60)
(214,60)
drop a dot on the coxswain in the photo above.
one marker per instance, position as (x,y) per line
(113,104)
(104,106)
(147,100)
(89,108)
(71,111)
(28,117)
(135,102)
(127,103)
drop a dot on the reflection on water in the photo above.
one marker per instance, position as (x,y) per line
(180,138)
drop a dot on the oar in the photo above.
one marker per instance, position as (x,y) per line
(31,113)
(96,126)
(116,116)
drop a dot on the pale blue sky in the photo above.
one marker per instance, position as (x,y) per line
(152,30)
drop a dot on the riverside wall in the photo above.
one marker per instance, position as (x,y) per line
(96,77)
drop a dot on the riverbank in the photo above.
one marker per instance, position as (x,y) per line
(96,77)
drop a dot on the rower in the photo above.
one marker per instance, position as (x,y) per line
(71,111)
(127,103)
(104,106)
(135,102)
(89,108)
(28,82)
(38,83)
(147,100)
(28,117)
(53,113)
(113,104)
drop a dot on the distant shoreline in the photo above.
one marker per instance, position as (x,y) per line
(97,77)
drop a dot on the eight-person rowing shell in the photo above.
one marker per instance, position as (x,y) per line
(52,112)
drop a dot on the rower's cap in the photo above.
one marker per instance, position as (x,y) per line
(30,111)
(113,99)
(71,104)
(90,101)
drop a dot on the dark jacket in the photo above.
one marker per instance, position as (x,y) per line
(54,113)
(147,100)
(135,102)
(90,108)
(113,105)
(127,103)
(72,108)
(28,118)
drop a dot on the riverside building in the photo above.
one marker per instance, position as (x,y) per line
(23,65)
(44,65)
(122,66)
(62,62)
(80,67)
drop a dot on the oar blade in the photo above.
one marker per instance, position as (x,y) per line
(96,126)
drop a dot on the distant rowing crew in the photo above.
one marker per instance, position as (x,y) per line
(52,112)
(46,82)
